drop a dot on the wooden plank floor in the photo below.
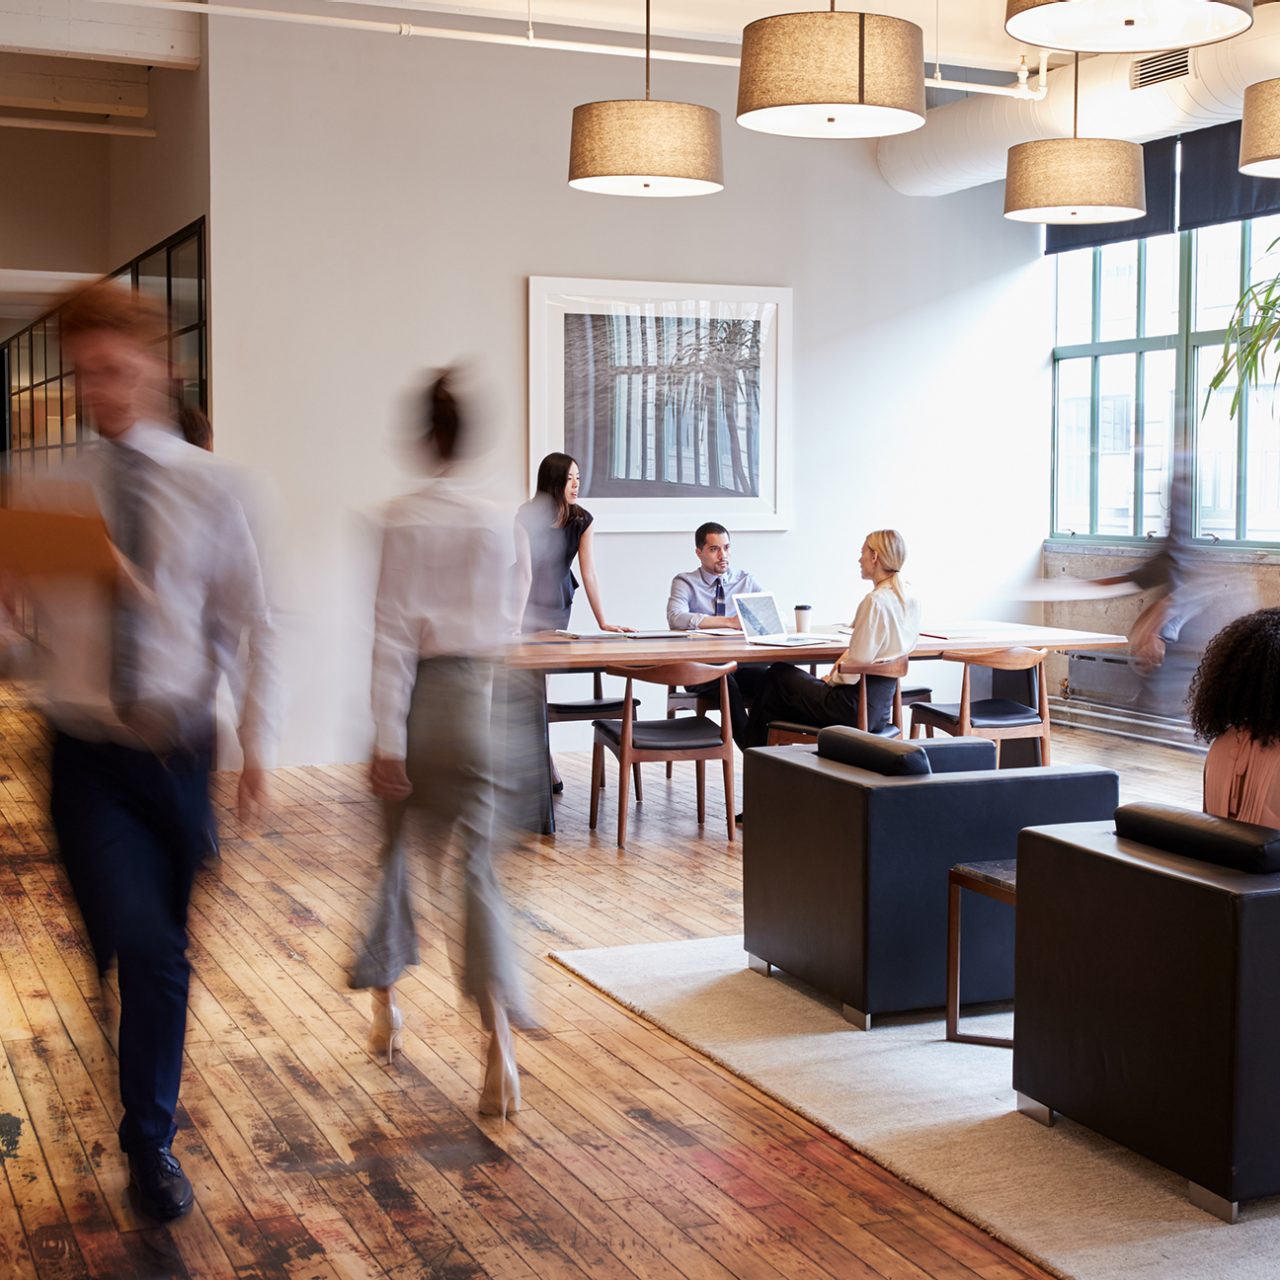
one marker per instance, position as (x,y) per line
(633,1157)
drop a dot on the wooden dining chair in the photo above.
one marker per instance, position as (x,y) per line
(596,707)
(994,718)
(782,733)
(697,738)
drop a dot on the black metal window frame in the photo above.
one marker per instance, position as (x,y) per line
(35,349)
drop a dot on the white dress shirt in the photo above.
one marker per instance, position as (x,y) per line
(202,596)
(886,625)
(693,596)
(445,589)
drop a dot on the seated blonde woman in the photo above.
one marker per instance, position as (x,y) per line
(1235,705)
(886,625)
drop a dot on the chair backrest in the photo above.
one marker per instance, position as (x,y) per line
(1016,659)
(673,673)
(895,668)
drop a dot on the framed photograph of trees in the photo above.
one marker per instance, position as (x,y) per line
(673,398)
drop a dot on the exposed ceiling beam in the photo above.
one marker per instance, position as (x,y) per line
(71,85)
(80,29)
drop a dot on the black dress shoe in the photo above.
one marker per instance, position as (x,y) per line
(557,788)
(738,820)
(159,1187)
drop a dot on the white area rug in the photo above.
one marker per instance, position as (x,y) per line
(939,1115)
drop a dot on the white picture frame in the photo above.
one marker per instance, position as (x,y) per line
(678,396)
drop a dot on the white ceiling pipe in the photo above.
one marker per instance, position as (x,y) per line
(1019,90)
(965,144)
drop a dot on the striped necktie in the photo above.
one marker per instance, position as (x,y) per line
(127,481)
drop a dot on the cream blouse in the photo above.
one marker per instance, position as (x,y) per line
(886,626)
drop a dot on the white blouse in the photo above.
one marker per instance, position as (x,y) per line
(887,625)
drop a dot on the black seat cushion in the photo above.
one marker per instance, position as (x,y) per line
(870,751)
(917,695)
(684,733)
(605,708)
(1242,846)
(985,713)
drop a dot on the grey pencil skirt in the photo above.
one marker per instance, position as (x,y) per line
(453,724)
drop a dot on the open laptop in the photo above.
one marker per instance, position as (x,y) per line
(762,623)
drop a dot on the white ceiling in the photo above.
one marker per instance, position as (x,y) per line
(972,31)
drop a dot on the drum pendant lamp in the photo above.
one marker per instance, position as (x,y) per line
(1125,26)
(1075,179)
(832,75)
(643,147)
(1260,130)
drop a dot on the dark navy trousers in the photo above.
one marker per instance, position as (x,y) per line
(132,828)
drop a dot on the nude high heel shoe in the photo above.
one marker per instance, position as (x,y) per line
(501,1092)
(386,1034)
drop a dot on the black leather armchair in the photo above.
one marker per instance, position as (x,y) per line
(1148,974)
(846,853)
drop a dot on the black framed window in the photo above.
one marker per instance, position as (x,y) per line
(43,422)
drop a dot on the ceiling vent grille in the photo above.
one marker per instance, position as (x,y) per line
(1159,67)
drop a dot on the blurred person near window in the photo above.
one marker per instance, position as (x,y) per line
(131,671)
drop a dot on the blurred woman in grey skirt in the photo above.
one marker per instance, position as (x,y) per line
(444,605)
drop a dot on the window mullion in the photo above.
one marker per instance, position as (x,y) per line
(1139,441)
(1139,402)
(1242,414)
(1095,442)
(1185,442)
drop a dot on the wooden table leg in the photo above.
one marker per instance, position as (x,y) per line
(953,958)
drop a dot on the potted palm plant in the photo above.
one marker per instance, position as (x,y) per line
(1253,339)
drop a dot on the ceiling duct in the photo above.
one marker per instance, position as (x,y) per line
(1156,68)
(965,144)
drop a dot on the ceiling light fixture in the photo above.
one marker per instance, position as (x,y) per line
(832,75)
(642,147)
(1125,26)
(1075,179)
(1260,130)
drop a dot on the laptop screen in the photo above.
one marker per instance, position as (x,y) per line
(759,614)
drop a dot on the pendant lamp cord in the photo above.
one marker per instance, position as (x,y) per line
(646,50)
(1075,103)
(937,39)
(529,15)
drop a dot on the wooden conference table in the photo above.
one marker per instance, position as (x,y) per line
(549,652)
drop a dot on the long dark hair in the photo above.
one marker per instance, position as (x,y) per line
(440,421)
(1237,685)
(553,479)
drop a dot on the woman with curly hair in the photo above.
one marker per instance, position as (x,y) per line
(1235,705)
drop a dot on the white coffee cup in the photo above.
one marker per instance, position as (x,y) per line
(803,613)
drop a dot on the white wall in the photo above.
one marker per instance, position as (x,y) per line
(53,201)
(376,206)
(159,185)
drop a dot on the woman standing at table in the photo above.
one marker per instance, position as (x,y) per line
(886,626)
(552,530)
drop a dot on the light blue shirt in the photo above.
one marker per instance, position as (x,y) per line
(693,596)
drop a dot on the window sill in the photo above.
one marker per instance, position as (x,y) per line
(1141,548)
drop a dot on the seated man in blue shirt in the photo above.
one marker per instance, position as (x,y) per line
(704,598)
